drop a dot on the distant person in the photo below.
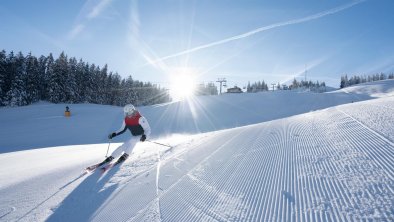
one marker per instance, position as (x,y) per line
(67,113)
(139,129)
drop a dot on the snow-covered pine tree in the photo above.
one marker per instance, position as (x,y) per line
(93,84)
(32,79)
(265,86)
(50,63)
(113,87)
(295,84)
(43,78)
(102,85)
(88,84)
(382,76)
(17,95)
(248,88)
(71,85)
(58,80)
(128,93)
(10,70)
(3,65)
(344,81)
(80,81)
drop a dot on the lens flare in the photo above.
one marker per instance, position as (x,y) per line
(183,85)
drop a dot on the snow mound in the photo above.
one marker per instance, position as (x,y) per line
(384,88)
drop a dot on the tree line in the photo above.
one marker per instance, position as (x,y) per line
(345,81)
(256,87)
(261,86)
(27,79)
(206,89)
(308,85)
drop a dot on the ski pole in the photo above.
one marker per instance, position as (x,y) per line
(108,148)
(159,143)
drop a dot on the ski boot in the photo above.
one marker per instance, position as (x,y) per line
(122,158)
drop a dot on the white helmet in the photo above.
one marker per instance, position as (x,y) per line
(129,110)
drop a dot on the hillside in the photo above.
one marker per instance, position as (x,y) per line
(377,89)
(43,124)
(298,161)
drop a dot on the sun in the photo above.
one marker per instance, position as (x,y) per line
(182,85)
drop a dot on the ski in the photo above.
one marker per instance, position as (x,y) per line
(107,167)
(111,165)
(120,160)
(95,166)
(92,168)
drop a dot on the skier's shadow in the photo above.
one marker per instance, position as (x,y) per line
(85,200)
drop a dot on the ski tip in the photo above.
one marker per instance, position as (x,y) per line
(88,170)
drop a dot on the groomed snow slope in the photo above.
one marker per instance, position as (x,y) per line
(43,125)
(335,164)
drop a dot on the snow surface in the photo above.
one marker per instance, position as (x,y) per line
(382,88)
(279,156)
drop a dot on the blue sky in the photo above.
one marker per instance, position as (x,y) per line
(248,40)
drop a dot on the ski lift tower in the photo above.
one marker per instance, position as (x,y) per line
(222,82)
(273,86)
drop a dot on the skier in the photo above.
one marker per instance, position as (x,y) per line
(139,128)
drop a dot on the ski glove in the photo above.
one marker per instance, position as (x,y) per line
(112,135)
(143,138)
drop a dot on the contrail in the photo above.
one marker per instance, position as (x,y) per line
(265,28)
